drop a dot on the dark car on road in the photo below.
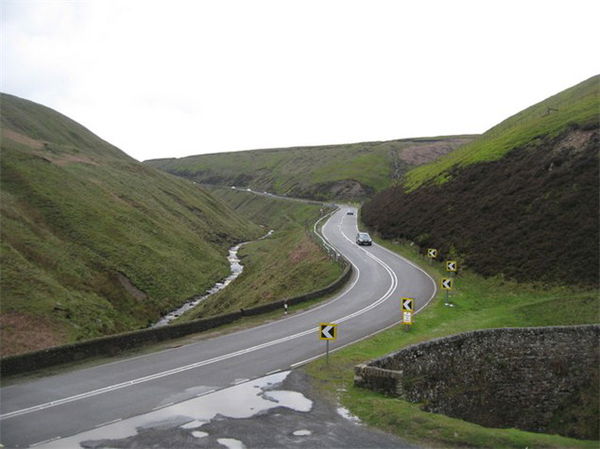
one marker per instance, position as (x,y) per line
(362,238)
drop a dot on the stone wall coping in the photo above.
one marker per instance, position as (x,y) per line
(479,332)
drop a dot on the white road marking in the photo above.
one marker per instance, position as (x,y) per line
(39,443)
(230,355)
(158,407)
(108,422)
(206,393)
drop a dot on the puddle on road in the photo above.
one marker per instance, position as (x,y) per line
(231,443)
(301,403)
(194,424)
(240,401)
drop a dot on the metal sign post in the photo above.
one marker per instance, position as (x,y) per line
(407,311)
(447,284)
(432,254)
(327,331)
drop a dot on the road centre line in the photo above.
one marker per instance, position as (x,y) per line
(213,360)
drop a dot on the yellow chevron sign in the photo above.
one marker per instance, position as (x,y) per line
(432,253)
(327,331)
(451,265)
(447,283)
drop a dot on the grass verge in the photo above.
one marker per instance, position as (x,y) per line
(287,264)
(479,303)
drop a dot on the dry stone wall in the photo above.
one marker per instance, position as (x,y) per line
(542,379)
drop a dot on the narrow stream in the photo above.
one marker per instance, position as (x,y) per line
(236,270)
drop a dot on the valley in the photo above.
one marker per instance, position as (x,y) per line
(95,243)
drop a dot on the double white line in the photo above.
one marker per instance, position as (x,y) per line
(140,380)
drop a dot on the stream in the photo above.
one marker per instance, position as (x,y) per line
(236,270)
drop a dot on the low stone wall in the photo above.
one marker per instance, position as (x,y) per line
(542,379)
(114,344)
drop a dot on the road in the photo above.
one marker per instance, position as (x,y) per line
(69,403)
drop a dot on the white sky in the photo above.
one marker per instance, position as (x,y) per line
(175,78)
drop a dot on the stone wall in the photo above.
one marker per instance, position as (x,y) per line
(114,344)
(542,379)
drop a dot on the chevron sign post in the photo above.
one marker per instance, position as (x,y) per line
(451,266)
(407,311)
(447,284)
(327,331)
(407,304)
(432,253)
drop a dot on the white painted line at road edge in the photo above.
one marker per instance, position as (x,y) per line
(50,440)
(404,259)
(209,361)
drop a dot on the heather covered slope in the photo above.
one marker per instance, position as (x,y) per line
(352,171)
(92,241)
(530,214)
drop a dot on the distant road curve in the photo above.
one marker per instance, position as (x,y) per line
(59,406)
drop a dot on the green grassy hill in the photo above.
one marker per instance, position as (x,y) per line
(521,201)
(352,171)
(577,106)
(286,264)
(93,242)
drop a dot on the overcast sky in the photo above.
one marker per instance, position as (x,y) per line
(175,78)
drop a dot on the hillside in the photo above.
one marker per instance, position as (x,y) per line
(521,201)
(287,264)
(352,171)
(573,107)
(93,242)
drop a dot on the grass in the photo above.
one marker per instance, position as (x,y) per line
(576,106)
(287,264)
(92,241)
(269,212)
(312,172)
(480,303)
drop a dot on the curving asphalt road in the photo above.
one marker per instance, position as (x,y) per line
(63,405)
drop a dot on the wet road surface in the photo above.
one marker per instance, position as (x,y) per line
(278,411)
(60,406)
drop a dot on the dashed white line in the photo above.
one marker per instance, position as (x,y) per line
(219,358)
